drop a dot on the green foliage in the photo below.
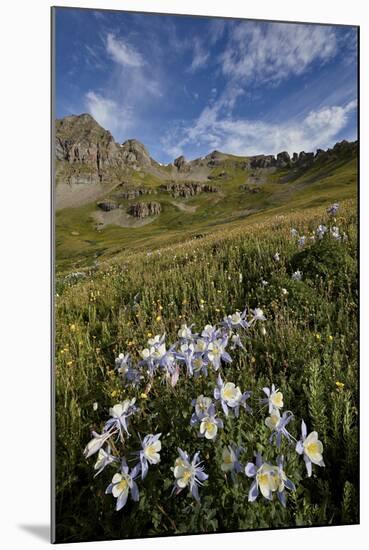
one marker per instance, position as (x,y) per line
(203,214)
(309,351)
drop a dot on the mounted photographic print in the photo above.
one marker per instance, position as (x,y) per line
(205,204)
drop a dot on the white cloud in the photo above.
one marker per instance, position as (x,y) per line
(123,53)
(252,137)
(271,52)
(122,104)
(200,57)
(107,112)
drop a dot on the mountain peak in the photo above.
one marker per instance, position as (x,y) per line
(135,152)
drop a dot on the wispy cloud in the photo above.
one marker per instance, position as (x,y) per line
(131,87)
(107,112)
(188,85)
(251,137)
(123,53)
(200,56)
(262,52)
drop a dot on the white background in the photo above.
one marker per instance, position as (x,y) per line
(25,265)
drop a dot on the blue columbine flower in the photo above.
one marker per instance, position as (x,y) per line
(202,405)
(104,458)
(230,460)
(153,353)
(311,448)
(274,398)
(258,315)
(200,364)
(209,424)
(210,333)
(335,232)
(120,414)
(216,352)
(185,333)
(186,353)
(235,341)
(333,208)
(149,453)
(188,473)
(236,320)
(123,483)
(123,365)
(321,231)
(277,424)
(269,479)
(231,397)
(97,441)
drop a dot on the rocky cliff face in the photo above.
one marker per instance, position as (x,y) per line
(188,189)
(144,209)
(87,153)
(135,154)
(134,193)
(304,160)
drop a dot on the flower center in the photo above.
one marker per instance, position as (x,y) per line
(150,451)
(123,485)
(312,448)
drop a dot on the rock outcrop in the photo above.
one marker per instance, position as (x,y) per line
(85,151)
(262,161)
(283,159)
(181,164)
(134,193)
(250,188)
(144,209)
(135,154)
(188,189)
(107,205)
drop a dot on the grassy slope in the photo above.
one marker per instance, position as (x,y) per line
(318,185)
(311,342)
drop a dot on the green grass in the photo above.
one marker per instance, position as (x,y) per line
(321,184)
(309,345)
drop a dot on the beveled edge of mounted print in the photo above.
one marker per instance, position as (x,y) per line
(205,183)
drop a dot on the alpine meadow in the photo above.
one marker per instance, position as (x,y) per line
(206,310)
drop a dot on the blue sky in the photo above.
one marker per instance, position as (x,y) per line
(187,85)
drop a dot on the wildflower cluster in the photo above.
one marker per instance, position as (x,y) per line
(193,355)
(322,230)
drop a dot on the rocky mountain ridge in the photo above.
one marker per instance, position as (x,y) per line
(90,164)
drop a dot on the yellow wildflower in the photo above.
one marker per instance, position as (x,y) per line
(143,396)
(158,318)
